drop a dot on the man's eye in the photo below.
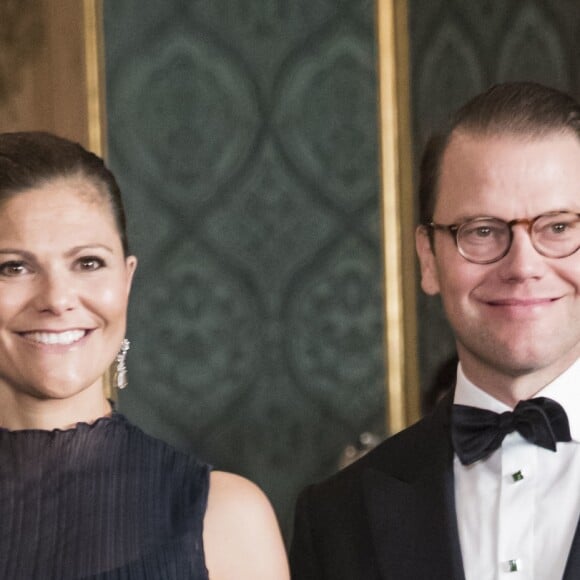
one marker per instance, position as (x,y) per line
(559,228)
(90,263)
(12,268)
(480,231)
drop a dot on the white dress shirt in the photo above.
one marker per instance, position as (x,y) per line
(517,510)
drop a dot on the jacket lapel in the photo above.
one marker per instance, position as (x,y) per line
(411,506)
(572,571)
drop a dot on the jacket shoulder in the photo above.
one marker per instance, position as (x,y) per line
(332,536)
(400,455)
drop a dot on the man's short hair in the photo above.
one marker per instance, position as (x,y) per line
(517,108)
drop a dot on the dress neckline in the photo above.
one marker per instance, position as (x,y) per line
(114,418)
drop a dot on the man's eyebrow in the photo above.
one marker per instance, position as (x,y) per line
(474,216)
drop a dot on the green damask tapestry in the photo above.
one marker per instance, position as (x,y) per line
(244,135)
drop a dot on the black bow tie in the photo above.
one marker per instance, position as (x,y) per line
(476,433)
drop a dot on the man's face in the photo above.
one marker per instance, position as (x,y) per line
(519,316)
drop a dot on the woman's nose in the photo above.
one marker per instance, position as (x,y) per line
(56,293)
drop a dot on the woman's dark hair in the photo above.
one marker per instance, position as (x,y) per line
(517,108)
(30,159)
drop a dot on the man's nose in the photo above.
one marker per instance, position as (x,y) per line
(522,261)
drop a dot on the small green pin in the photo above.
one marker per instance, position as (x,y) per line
(517,476)
(513,565)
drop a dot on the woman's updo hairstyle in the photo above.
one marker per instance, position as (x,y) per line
(30,159)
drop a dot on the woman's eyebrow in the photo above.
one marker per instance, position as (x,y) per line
(71,252)
(23,253)
(84,247)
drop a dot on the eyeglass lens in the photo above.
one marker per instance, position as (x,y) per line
(489,239)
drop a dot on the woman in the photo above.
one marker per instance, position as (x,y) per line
(83,493)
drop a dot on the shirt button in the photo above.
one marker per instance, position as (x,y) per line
(514,565)
(517,476)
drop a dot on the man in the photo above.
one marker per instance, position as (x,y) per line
(475,491)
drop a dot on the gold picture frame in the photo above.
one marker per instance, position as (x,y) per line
(94,71)
(402,387)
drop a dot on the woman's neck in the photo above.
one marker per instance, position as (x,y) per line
(21,411)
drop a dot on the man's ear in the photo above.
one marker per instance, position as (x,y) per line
(429,274)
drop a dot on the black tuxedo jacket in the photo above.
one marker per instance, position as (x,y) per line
(389,516)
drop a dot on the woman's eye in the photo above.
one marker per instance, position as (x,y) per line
(90,263)
(12,268)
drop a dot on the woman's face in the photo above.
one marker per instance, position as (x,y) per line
(64,286)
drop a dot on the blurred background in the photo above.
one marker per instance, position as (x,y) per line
(245,137)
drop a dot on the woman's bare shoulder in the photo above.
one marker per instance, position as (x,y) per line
(241,534)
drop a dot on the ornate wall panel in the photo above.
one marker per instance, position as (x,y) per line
(460,47)
(45,65)
(244,136)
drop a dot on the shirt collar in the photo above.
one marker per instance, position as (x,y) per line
(565,389)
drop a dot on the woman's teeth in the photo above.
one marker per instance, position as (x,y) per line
(67,337)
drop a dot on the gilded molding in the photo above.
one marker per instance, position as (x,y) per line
(402,386)
(94,69)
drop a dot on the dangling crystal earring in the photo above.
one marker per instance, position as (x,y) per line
(121,370)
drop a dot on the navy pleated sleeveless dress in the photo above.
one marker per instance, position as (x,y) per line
(103,501)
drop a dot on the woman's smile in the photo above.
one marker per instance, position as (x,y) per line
(66,337)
